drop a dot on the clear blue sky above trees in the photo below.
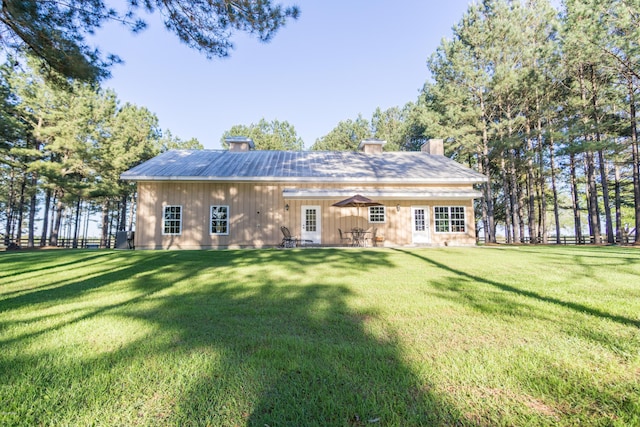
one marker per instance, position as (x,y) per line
(338,60)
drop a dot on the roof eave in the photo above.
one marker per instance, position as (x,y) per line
(308,179)
(381,194)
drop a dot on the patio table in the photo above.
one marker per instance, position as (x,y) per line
(359,237)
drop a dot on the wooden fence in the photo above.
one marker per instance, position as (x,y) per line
(86,243)
(564,240)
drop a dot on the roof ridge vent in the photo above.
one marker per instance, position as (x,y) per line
(239,143)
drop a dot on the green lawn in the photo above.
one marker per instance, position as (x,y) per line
(321,337)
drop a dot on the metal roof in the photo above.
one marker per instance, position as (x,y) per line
(303,166)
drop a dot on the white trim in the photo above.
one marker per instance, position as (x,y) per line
(420,237)
(382,194)
(164,209)
(315,236)
(384,214)
(449,220)
(211,220)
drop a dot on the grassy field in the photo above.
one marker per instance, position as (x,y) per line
(487,336)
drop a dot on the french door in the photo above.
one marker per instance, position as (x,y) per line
(420,225)
(311,222)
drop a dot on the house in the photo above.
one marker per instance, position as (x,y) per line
(236,198)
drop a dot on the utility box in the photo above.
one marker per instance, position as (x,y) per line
(124,239)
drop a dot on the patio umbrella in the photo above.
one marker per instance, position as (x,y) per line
(356,201)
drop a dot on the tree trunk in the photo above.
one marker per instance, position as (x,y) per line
(45,220)
(618,204)
(132,211)
(491,221)
(542,214)
(513,197)
(76,226)
(52,219)
(530,192)
(9,209)
(66,226)
(542,221)
(635,158)
(515,191)
(604,182)
(490,231)
(575,201)
(554,190)
(521,198)
(508,226)
(483,206)
(591,189)
(85,233)
(122,220)
(605,196)
(55,230)
(594,214)
(33,205)
(541,180)
(23,187)
(105,224)
(110,233)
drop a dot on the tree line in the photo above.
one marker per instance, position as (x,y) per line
(540,100)
(543,102)
(63,146)
(63,140)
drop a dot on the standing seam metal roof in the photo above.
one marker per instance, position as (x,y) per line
(310,166)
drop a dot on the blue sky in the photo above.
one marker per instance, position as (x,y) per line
(338,60)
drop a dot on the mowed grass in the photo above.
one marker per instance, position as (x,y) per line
(321,337)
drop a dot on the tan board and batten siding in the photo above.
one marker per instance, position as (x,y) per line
(258,208)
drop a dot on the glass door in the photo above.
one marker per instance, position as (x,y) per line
(311,224)
(420,225)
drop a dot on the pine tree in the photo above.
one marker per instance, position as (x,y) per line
(273,135)
(54,31)
(346,136)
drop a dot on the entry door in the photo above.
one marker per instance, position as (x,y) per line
(420,225)
(311,223)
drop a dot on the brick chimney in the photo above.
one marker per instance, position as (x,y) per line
(240,143)
(434,147)
(371,146)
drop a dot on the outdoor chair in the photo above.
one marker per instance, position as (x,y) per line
(367,237)
(377,239)
(287,240)
(344,237)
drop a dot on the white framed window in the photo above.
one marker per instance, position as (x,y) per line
(219,219)
(449,219)
(377,214)
(172,219)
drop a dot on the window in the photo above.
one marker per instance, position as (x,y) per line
(457,219)
(449,219)
(219,219)
(376,214)
(311,219)
(172,220)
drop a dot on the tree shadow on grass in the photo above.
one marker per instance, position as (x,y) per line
(253,338)
(592,259)
(304,354)
(578,308)
(62,284)
(26,263)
